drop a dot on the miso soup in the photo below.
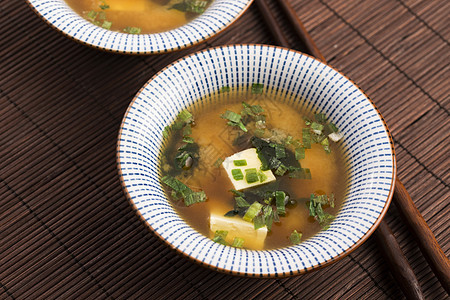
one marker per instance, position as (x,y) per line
(139,16)
(252,170)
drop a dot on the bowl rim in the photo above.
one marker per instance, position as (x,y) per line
(159,50)
(334,259)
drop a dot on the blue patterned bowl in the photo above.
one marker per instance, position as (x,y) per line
(219,15)
(367,147)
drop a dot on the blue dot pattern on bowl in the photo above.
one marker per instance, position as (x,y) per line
(219,15)
(367,147)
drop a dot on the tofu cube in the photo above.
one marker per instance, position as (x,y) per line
(237,227)
(244,170)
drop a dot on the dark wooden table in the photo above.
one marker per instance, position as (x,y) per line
(66,229)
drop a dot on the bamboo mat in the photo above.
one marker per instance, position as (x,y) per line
(68,232)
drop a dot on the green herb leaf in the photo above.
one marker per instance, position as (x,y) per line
(238,242)
(252,211)
(299,153)
(106,24)
(295,237)
(257,88)
(132,30)
(279,200)
(195,197)
(241,202)
(268,216)
(306,137)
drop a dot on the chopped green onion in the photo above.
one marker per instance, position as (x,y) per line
(238,242)
(281,170)
(184,191)
(240,162)
(299,153)
(302,173)
(280,151)
(225,89)
(251,175)
(195,197)
(268,216)
(295,237)
(220,236)
(262,176)
(241,202)
(176,185)
(317,128)
(306,137)
(237,193)
(185,116)
(106,24)
(91,15)
(326,145)
(231,116)
(132,30)
(257,88)
(259,222)
(279,201)
(237,174)
(188,139)
(252,211)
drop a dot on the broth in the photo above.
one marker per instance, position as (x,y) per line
(138,16)
(215,140)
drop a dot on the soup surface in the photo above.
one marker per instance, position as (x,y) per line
(139,16)
(284,124)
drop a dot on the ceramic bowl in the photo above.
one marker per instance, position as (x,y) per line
(367,147)
(219,15)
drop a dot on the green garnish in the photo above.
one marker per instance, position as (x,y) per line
(279,200)
(306,137)
(91,15)
(132,30)
(252,211)
(104,6)
(240,162)
(299,153)
(268,216)
(181,190)
(295,237)
(316,210)
(194,6)
(262,176)
(241,202)
(234,119)
(225,89)
(257,88)
(259,222)
(251,175)
(220,236)
(238,242)
(106,24)
(195,197)
(237,174)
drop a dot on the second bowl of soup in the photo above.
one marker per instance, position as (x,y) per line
(139,26)
(256,160)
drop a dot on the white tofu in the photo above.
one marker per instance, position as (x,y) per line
(253,161)
(237,227)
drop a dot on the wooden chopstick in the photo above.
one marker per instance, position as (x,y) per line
(392,252)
